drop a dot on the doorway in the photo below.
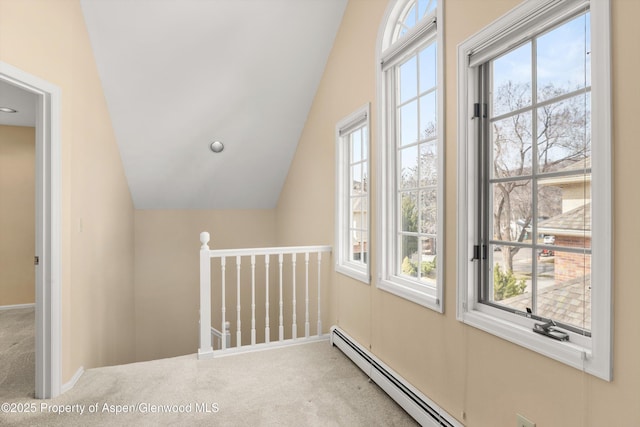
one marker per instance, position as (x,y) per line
(47,230)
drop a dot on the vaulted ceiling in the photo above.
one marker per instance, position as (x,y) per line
(180,74)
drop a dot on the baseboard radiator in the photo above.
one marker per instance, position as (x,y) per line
(420,407)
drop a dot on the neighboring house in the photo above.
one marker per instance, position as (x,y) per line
(569,231)
(359,218)
(571,228)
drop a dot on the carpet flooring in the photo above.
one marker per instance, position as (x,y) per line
(303,385)
(17,353)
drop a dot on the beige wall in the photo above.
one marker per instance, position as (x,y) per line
(17,215)
(462,368)
(167,272)
(48,39)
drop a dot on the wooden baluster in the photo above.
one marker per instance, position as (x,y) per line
(267,330)
(294,325)
(239,328)
(225,326)
(253,300)
(306,295)
(319,295)
(227,334)
(281,318)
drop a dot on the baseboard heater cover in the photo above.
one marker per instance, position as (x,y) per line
(420,407)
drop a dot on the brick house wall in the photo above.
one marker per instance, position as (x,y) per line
(570,266)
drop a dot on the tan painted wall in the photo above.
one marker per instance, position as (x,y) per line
(17,215)
(167,272)
(48,39)
(462,368)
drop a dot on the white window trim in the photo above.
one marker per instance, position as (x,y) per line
(386,56)
(358,119)
(594,355)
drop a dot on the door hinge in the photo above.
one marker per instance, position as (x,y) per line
(36,260)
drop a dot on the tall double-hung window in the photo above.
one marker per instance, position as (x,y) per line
(352,189)
(534,181)
(410,198)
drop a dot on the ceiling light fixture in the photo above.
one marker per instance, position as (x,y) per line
(8,110)
(216,146)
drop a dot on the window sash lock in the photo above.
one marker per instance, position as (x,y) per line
(549,329)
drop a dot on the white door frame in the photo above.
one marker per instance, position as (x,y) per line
(48,313)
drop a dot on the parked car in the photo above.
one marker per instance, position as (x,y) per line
(547,240)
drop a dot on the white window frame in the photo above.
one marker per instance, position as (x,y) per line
(592,355)
(359,119)
(389,54)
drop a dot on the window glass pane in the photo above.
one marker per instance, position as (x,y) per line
(409,123)
(409,256)
(416,11)
(428,269)
(511,81)
(429,163)
(428,211)
(356,146)
(409,212)
(511,217)
(564,134)
(428,117)
(426,7)
(511,275)
(356,247)
(356,178)
(511,139)
(364,188)
(410,18)
(563,59)
(409,79)
(428,68)
(365,143)
(409,167)
(564,288)
(550,197)
(564,209)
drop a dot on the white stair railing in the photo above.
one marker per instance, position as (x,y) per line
(259,259)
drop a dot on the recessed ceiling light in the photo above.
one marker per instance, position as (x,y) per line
(8,110)
(216,146)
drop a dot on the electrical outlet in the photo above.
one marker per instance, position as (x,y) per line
(523,422)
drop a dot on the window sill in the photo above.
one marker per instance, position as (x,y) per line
(354,273)
(566,352)
(422,298)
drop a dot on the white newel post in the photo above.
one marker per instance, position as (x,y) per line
(206,349)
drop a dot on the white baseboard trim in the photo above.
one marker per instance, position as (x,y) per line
(17,306)
(425,411)
(72,382)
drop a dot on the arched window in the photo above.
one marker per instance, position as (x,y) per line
(410,146)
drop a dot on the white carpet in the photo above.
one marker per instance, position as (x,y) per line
(305,385)
(17,353)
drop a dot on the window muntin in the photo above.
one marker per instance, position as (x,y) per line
(352,214)
(585,182)
(411,150)
(538,247)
